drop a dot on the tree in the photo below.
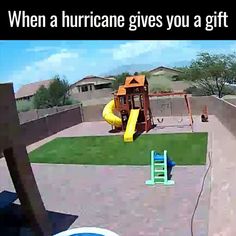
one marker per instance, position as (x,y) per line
(211,72)
(58,92)
(41,98)
(146,73)
(24,105)
(120,80)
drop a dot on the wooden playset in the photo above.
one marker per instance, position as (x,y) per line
(133,95)
(132,102)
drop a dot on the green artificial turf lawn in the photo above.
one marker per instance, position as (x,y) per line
(184,149)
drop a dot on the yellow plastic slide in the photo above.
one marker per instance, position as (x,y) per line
(108,114)
(130,128)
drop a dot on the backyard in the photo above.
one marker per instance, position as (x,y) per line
(183,148)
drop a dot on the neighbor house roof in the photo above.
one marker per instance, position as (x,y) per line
(110,78)
(92,76)
(28,90)
(135,81)
(163,67)
(92,79)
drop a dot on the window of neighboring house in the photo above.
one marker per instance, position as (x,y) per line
(84,88)
(78,89)
(102,86)
(91,87)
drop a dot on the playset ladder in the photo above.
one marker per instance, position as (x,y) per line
(159,172)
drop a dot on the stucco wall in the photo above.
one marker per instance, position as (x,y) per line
(93,113)
(160,107)
(226,113)
(36,130)
(176,106)
(41,128)
(39,113)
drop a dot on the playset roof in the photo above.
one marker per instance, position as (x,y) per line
(121,90)
(135,81)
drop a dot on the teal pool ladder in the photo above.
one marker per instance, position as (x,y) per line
(159,171)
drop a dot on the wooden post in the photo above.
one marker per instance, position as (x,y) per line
(13,147)
(189,110)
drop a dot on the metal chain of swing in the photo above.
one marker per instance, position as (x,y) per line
(171,111)
(160,120)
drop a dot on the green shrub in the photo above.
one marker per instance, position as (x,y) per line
(55,95)
(161,88)
(195,91)
(119,80)
(24,105)
(177,78)
(41,98)
(228,90)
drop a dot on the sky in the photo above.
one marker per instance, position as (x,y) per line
(27,61)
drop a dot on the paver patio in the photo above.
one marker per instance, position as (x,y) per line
(117,198)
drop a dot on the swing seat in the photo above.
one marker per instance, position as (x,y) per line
(204,118)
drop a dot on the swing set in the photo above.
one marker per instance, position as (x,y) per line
(187,103)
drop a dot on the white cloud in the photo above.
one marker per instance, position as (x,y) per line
(42,49)
(74,64)
(149,51)
(133,49)
(57,63)
(137,48)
